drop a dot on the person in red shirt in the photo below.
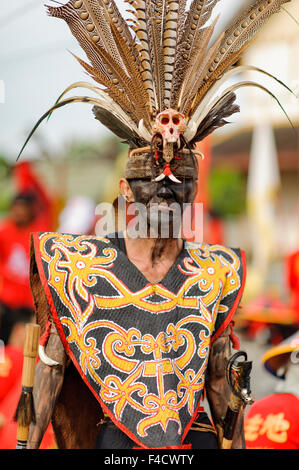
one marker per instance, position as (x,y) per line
(273,421)
(30,212)
(27,182)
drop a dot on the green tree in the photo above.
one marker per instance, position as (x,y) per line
(227,192)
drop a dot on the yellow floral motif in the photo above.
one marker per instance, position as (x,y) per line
(214,274)
(120,393)
(157,346)
(161,406)
(88,351)
(218,277)
(140,297)
(204,344)
(191,382)
(121,342)
(113,390)
(72,271)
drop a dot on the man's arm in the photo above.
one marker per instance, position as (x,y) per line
(47,386)
(218,390)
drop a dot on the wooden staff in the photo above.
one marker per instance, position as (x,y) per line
(238,376)
(25,413)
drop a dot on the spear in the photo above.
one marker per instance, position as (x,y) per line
(25,413)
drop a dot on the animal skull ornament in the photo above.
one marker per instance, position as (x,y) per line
(170,124)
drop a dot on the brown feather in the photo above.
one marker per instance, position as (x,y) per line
(157,65)
(191,42)
(200,76)
(79,18)
(73,99)
(112,90)
(208,82)
(99,17)
(141,93)
(125,82)
(161,57)
(99,41)
(77,28)
(216,117)
(169,41)
(140,28)
(199,14)
(109,120)
(120,24)
(194,71)
(181,19)
(238,36)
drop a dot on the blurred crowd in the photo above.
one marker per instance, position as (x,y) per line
(32,209)
(271,422)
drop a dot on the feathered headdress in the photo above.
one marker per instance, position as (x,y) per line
(159,73)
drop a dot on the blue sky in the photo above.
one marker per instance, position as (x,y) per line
(36,66)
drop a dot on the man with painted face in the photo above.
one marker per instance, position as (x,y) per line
(136,331)
(161,205)
(144,320)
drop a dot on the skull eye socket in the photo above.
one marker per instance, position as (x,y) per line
(176,120)
(165,120)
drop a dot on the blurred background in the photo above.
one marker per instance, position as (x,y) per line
(249,179)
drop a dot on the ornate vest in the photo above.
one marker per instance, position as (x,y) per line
(141,348)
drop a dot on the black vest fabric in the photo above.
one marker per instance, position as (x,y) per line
(141,348)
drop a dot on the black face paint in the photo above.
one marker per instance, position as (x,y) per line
(146,191)
(164,202)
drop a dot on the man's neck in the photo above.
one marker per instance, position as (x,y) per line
(143,247)
(140,252)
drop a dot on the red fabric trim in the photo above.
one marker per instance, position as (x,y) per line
(45,336)
(235,304)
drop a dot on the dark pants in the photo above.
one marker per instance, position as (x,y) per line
(111,437)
